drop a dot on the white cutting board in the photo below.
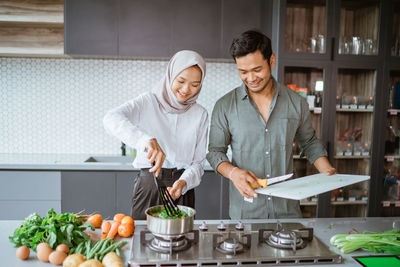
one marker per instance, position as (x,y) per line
(311,185)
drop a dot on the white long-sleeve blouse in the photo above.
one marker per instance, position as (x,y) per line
(182,137)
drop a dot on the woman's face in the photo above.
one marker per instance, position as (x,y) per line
(187,83)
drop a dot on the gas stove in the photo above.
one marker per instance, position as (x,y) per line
(227,244)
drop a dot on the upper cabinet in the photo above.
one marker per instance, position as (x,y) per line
(159,28)
(91,27)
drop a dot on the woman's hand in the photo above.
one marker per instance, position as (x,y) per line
(155,155)
(176,190)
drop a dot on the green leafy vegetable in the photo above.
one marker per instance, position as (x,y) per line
(163,214)
(378,242)
(55,229)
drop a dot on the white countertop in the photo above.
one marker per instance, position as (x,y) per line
(14,161)
(324,229)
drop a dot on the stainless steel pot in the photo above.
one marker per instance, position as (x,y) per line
(169,227)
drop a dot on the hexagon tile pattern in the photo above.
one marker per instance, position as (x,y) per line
(53,105)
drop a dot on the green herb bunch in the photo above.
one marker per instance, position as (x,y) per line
(54,229)
(378,242)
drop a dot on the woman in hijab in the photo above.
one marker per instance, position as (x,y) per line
(169,131)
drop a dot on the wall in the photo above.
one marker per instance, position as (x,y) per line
(53,105)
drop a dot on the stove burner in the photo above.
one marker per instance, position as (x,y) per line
(162,245)
(229,245)
(285,239)
(168,244)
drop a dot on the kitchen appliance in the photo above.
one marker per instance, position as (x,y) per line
(228,244)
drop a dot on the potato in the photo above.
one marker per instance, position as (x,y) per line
(111,259)
(91,263)
(73,260)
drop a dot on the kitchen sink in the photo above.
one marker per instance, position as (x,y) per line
(110,159)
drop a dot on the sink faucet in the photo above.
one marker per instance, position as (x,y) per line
(123,149)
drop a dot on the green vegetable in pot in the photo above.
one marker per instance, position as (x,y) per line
(163,214)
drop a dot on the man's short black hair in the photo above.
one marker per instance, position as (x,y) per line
(249,42)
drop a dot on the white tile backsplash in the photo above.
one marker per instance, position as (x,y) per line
(53,105)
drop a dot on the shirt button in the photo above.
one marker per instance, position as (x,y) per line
(267,152)
(268,175)
(266,130)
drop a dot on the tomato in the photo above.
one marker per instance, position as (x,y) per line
(118,217)
(128,220)
(96,220)
(126,229)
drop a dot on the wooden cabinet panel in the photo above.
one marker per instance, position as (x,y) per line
(91,27)
(93,192)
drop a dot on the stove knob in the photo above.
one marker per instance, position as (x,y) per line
(221,226)
(239,226)
(203,226)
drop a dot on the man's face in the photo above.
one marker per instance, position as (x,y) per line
(255,71)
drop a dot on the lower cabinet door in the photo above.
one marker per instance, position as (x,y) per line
(90,192)
(125,184)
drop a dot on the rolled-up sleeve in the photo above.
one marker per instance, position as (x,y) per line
(306,138)
(220,136)
(192,175)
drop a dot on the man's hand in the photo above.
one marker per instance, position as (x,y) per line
(242,179)
(323,166)
(155,155)
(176,190)
(330,171)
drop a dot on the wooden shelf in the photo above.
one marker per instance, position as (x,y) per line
(357,202)
(352,157)
(33,27)
(393,112)
(336,203)
(353,110)
(32,11)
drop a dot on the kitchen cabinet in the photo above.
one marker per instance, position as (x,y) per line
(342,44)
(212,197)
(125,182)
(92,192)
(91,27)
(25,192)
(160,28)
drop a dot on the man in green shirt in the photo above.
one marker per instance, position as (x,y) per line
(260,120)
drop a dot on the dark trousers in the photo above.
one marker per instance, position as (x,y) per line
(145,192)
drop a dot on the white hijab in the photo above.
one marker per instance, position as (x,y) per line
(163,92)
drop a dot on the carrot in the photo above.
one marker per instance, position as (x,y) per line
(114,230)
(105,228)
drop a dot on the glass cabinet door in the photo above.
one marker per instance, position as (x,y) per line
(353,135)
(309,83)
(391,176)
(359,27)
(305,26)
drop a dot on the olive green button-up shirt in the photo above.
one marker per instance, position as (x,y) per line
(263,148)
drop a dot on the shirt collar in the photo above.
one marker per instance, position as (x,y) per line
(243,94)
